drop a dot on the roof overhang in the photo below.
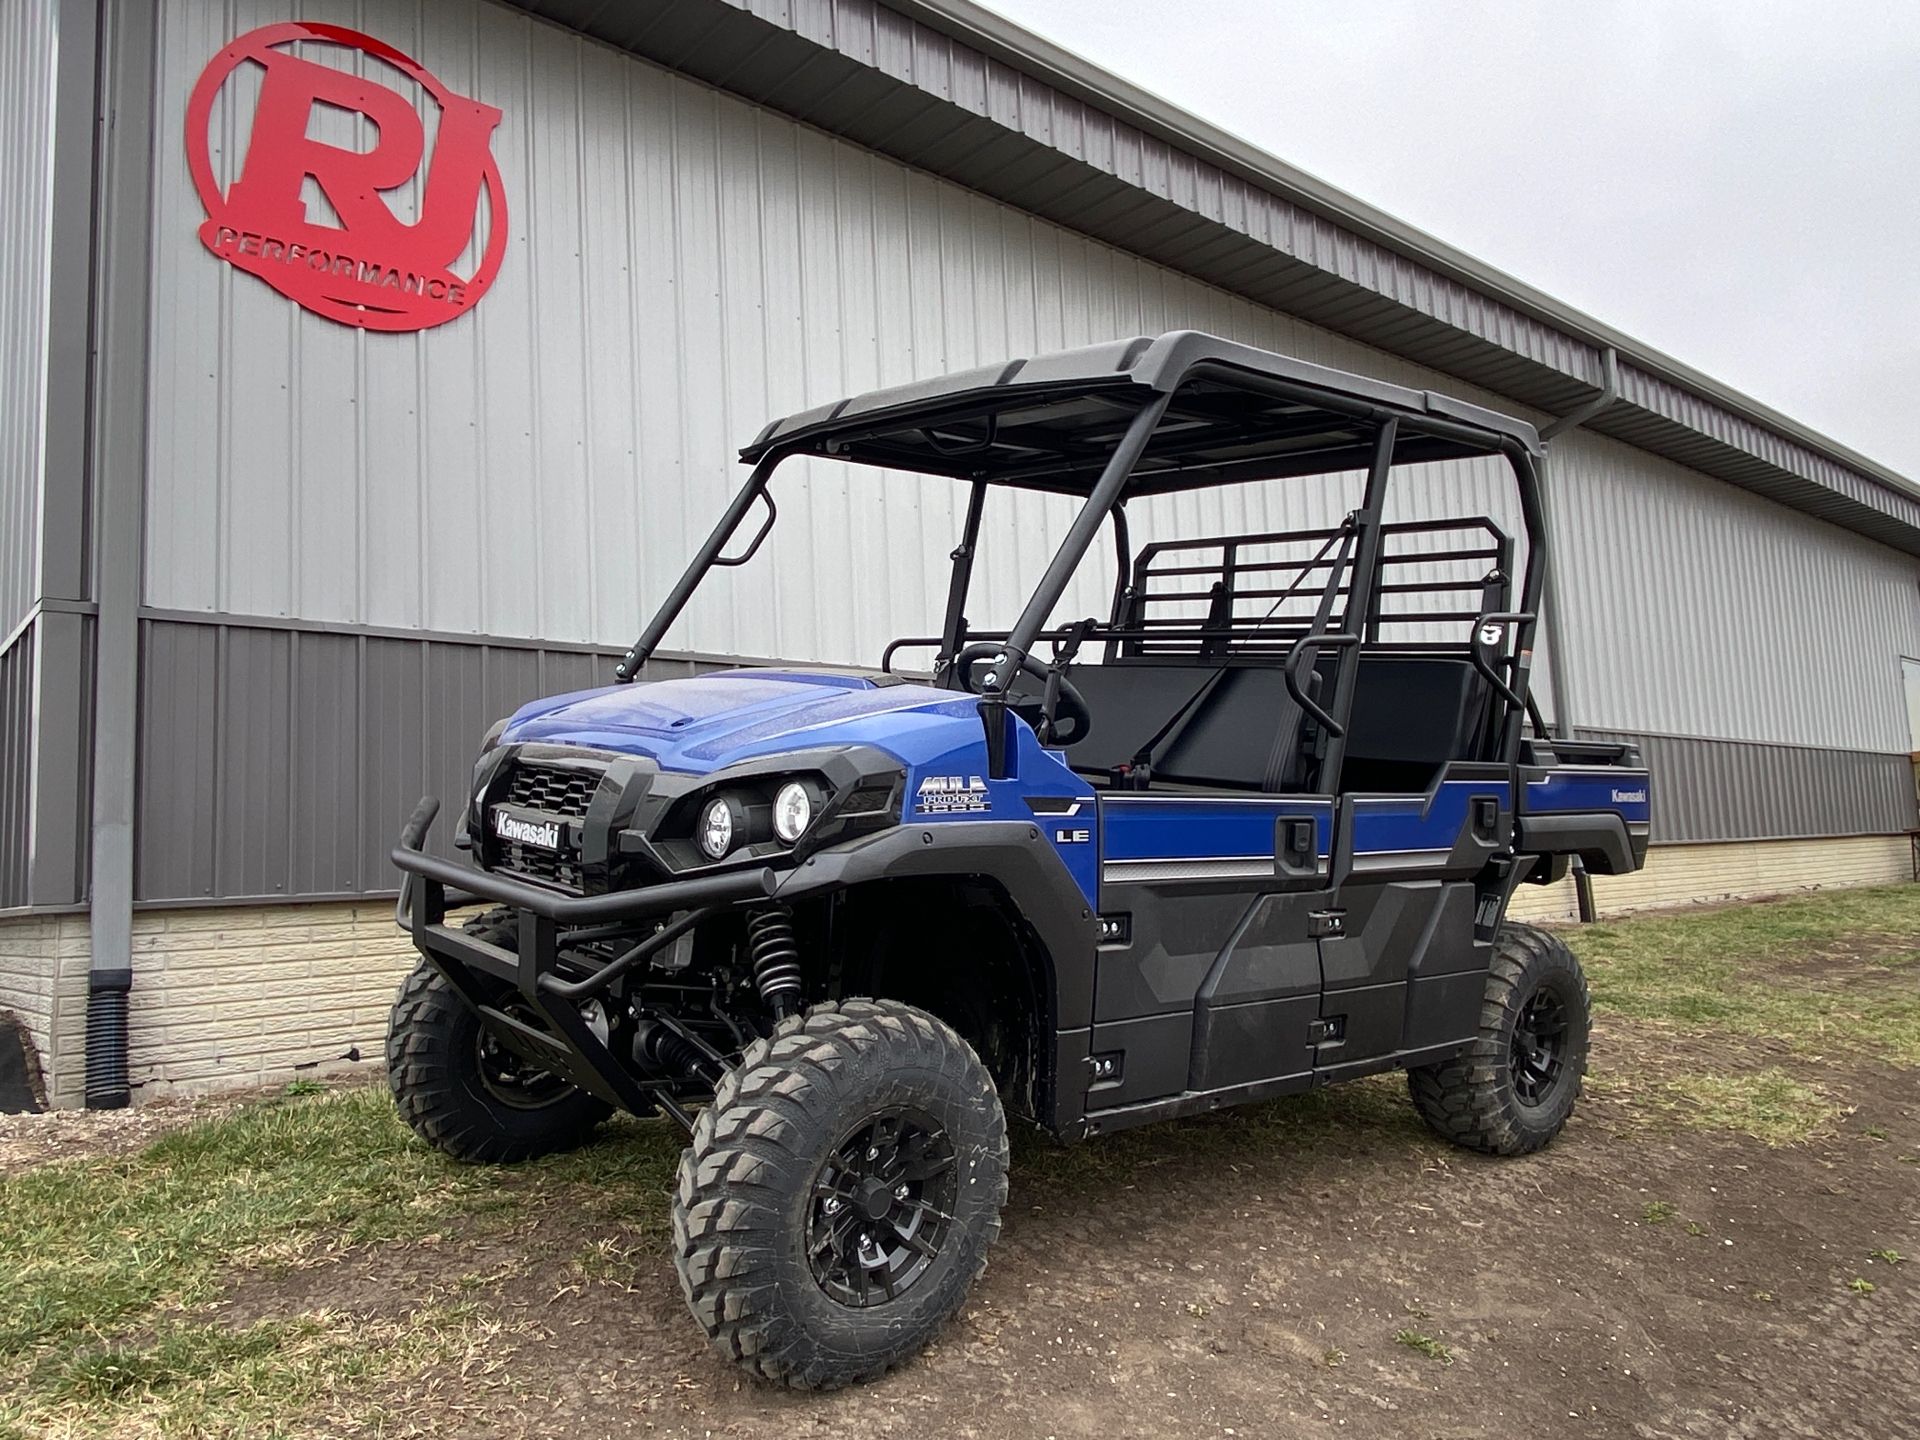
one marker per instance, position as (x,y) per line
(963,93)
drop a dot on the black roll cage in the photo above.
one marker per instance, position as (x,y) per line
(1180,427)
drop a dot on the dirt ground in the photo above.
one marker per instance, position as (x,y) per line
(1627,1282)
(51,1135)
(1318,1266)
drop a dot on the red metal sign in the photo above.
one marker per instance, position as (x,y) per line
(373,269)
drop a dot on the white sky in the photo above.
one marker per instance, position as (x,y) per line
(1736,182)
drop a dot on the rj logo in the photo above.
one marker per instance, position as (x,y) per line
(373,268)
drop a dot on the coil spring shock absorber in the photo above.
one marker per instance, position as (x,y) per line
(776,957)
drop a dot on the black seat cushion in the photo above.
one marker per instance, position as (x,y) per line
(1411,715)
(1227,738)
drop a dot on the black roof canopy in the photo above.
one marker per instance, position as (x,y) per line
(1051,422)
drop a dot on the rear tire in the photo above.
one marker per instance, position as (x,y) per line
(840,1194)
(461,1094)
(1512,1090)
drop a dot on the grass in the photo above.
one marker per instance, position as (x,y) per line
(1769,1104)
(1815,977)
(1719,970)
(265,1379)
(110,1261)
(1425,1344)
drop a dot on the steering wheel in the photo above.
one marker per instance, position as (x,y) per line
(1070,704)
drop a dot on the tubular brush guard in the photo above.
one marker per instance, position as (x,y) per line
(564,1044)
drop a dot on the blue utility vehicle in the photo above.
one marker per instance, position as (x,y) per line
(1253,830)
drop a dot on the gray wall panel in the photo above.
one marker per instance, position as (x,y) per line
(281,762)
(175,835)
(28,32)
(1721,790)
(1693,608)
(956,89)
(684,266)
(16,769)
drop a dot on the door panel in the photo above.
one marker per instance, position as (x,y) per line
(1214,894)
(1404,865)
(1445,1009)
(1173,940)
(1254,1014)
(1452,829)
(1148,1058)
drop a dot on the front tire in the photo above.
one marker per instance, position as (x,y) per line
(1512,1090)
(840,1194)
(462,1093)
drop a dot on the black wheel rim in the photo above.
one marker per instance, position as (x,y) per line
(881,1208)
(1538,1055)
(512,1081)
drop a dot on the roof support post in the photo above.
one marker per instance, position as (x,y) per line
(708,556)
(1362,598)
(1101,499)
(953,626)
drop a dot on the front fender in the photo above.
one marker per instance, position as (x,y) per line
(1013,854)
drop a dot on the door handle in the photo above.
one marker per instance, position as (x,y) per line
(1299,853)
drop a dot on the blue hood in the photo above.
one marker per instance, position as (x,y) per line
(707,722)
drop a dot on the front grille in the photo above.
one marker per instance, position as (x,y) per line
(563,792)
(555,791)
(548,866)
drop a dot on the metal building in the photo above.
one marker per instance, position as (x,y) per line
(266,576)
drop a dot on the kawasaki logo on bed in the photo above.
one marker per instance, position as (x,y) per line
(544,834)
(392,222)
(952,795)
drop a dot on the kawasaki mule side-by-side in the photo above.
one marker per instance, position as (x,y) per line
(1253,830)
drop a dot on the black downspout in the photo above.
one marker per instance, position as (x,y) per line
(108,1084)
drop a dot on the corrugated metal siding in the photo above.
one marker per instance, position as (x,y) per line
(683,267)
(909,89)
(277,762)
(27,48)
(16,768)
(1721,790)
(1693,608)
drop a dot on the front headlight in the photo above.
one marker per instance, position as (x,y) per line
(717,828)
(792,811)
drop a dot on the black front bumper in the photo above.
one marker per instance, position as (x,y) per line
(568,1045)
